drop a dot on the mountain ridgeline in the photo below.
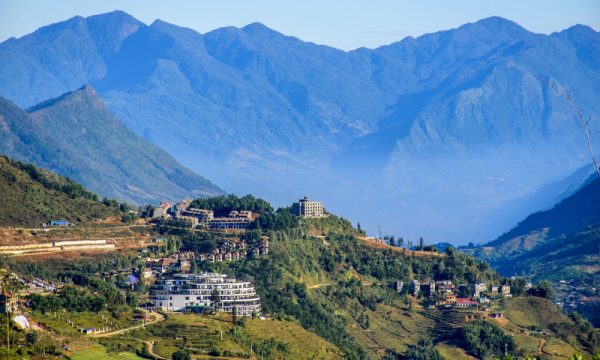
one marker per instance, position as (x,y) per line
(75,135)
(439,136)
(559,243)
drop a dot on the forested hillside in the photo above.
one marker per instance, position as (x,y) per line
(320,274)
(561,242)
(75,135)
(32,196)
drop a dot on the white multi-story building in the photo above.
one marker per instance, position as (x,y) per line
(205,291)
(200,214)
(308,208)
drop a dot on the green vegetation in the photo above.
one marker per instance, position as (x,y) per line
(357,280)
(540,314)
(75,135)
(224,204)
(328,293)
(222,335)
(484,339)
(424,350)
(100,295)
(99,352)
(543,289)
(181,355)
(32,196)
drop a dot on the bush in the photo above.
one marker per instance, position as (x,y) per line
(544,289)
(424,350)
(181,355)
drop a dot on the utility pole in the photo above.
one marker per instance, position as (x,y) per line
(584,122)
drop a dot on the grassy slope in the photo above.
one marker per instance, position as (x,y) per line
(548,242)
(531,313)
(345,281)
(321,289)
(27,201)
(203,334)
(332,283)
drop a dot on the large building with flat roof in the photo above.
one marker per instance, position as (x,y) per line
(308,209)
(205,291)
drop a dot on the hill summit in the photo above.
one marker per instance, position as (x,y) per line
(77,136)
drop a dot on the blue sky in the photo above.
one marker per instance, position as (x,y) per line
(342,24)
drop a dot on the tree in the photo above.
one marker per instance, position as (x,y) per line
(517,286)
(31,337)
(484,339)
(392,241)
(215,298)
(401,242)
(544,289)
(181,355)
(234,313)
(421,243)
(424,350)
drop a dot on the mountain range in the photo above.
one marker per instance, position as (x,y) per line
(75,135)
(443,136)
(559,243)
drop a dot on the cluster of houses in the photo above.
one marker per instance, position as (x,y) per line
(183,215)
(572,294)
(228,250)
(235,250)
(445,293)
(159,266)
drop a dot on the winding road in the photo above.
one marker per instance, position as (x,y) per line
(156,318)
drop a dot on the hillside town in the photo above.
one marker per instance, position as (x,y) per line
(445,294)
(184,215)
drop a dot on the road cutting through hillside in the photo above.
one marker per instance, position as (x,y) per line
(156,318)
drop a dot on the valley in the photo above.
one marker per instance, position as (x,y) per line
(457,129)
(240,193)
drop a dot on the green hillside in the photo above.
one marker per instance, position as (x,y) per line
(31,196)
(326,291)
(75,135)
(322,275)
(560,243)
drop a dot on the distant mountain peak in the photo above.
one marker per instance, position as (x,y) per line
(579,30)
(257,28)
(86,92)
(116,14)
(499,26)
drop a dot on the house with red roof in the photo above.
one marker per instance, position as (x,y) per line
(465,302)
